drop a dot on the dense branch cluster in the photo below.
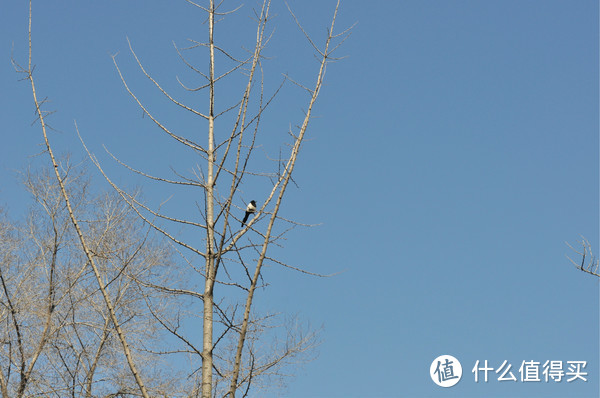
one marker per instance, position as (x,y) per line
(57,338)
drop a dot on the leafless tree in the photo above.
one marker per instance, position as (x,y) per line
(61,178)
(589,263)
(233,257)
(225,347)
(56,337)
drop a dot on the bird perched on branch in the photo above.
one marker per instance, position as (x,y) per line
(251,208)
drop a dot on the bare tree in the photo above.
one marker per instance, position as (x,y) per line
(589,263)
(56,337)
(225,347)
(84,243)
(233,256)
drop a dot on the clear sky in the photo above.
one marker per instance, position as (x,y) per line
(455,151)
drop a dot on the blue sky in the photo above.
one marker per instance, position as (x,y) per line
(454,152)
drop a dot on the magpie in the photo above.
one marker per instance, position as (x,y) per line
(251,208)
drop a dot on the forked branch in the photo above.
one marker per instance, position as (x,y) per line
(589,263)
(280,188)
